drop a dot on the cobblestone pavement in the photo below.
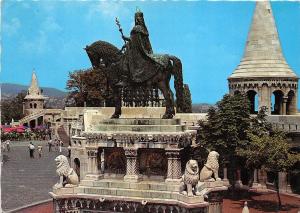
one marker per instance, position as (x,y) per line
(25,180)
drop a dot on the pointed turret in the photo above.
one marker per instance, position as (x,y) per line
(263,54)
(34,91)
(263,73)
(34,100)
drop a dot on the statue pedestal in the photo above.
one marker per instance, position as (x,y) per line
(142,169)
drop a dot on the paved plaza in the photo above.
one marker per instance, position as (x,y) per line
(25,180)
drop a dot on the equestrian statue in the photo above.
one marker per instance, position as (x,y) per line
(136,66)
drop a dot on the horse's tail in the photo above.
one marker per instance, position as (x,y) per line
(178,83)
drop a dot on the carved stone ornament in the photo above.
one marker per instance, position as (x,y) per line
(67,176)
(211,168)
(190,179)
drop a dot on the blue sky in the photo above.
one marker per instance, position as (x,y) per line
(209,37)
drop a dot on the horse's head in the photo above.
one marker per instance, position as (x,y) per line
(93,56)
(102,54)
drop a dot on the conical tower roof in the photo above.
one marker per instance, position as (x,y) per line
(34,91)
(263,54)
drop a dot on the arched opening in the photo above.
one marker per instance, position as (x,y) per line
(34,105)
(30,105)
(291,107)
(277,99)
(32,124)
(253,98)
(100,159)
(77,167)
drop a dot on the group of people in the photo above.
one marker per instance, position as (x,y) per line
(31,148)
(56,143)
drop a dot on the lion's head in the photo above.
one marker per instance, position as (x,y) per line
(62,165)
(191,174)
(212,160)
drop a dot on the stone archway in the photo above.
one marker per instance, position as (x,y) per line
(32,124)
(252,96)
(291,105)
(277,108)
(77,167)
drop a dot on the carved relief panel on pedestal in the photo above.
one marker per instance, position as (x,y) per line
(115,160)
(152,162)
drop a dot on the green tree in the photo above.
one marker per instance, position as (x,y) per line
(187,99)
(89,86)
(225,128)
(12,108)
(270,150)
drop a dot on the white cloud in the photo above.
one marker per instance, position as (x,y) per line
(11,27)
(108,9)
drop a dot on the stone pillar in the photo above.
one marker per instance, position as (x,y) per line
(262,178)
(174,165)
(93,172)
(255,184)
(238,182)
(132,174)
(284,101)
(282,181)
(225,178)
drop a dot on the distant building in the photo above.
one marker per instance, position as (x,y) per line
(34,100)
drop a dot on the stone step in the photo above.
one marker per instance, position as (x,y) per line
(141,121)
(143,185)
(141,128)
(133,193)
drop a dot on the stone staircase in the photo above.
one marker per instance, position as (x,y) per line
(62,134)
(151,191)
(32,116)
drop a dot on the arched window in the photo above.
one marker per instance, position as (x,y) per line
(30,105)
(253,98)
(34,105)
(277,99)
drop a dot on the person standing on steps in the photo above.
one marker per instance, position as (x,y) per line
(31,150)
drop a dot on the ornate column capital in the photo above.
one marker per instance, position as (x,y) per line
(130,152)
(92,153)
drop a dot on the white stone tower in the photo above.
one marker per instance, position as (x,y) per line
(263,70)
(34,100)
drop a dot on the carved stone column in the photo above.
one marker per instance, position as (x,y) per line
(262,178)
(93,172)
(284,101)
(225,178)
(174,165)
(238,183)
(132,174)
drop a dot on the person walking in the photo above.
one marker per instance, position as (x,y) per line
(40,150)
(8,145)
(31,150)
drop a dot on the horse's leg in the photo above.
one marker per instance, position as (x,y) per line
(117,98)
(168,95)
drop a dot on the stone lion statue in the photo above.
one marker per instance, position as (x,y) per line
(190,179)
(210,168)
(67,175)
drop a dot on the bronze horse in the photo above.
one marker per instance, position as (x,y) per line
(112,61)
